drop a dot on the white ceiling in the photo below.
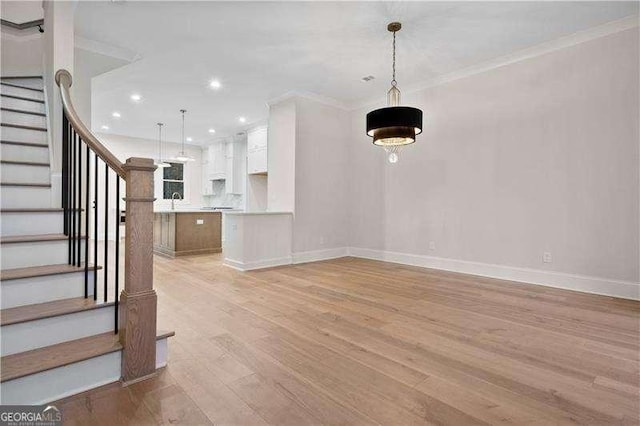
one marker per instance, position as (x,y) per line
(261,50)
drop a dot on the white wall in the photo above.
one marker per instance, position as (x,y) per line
(21,54)
(320,220)
(58,49)
(535,156)
(281,156)
(86,66)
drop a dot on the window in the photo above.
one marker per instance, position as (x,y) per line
(173,180)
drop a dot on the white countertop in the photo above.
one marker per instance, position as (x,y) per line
(240,212)
(190,210)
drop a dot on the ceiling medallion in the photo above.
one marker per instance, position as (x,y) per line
(394,126)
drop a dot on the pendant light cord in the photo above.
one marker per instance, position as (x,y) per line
(183,111)
(393,81)
(159,142)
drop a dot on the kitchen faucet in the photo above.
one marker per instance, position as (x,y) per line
(173,198)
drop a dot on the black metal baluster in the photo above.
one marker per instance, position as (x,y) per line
(86,225)
(65,170)
(79,211)
(95,229)
(72,221)
(106,228)
(117,271)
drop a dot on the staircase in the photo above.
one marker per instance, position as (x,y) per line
(56,338)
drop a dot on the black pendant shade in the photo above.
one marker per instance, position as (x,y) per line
(394,126)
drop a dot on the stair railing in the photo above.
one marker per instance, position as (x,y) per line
(135,307)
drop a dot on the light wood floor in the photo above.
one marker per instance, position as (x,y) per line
(353,341)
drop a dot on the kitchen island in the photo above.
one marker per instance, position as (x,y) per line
(183,232)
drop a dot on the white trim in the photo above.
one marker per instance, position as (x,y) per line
(326,100)
(317,255)
(582,283)
(258,264)
(592,33)
(106,49)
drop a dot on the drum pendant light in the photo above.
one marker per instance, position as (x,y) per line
(394,126)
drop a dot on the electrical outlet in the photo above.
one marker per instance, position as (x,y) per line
(199,221)
(546,257)
(321,240)
(432,245)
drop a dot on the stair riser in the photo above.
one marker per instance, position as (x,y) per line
(51,385)
(35,83)
(29,291)
(22,105)
(21,255)
(22,135)
(22,119)
(49,331)
(25,197)
(19,173)
(24,153)
(31,223)
(24,93)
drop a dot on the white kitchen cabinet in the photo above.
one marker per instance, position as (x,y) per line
(257,151)
(236,164)
(216,161)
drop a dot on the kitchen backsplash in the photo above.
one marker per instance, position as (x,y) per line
(221,199)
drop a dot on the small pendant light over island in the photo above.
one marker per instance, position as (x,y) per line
(182,156)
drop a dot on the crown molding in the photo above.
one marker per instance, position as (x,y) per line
(106,49)
(564,42)
(326,100)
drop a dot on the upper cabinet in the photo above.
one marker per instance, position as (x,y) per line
(216,163)
(235,158)
(257,151)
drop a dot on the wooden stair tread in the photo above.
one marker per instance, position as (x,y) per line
(24,163)
(22,126)
(38,238)
(55,308)
(37,185)
(22,98)
(41,271)
(22,111)
(42,359)
(36,210)
(49,357)
(33,144)
(26,77)
(4,83)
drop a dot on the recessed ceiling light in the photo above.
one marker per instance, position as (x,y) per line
(242,119)
(189,139)
(215,84)
(136,97)
(367,78)
(212,130)
(115,114)
(104,127)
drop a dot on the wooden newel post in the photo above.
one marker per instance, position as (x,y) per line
(138,299)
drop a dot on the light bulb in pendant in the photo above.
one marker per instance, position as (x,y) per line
(393,158)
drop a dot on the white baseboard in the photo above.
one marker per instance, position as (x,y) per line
(586,284)
(258,264)
(317,255)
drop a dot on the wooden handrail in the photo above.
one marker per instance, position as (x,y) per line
(64,81)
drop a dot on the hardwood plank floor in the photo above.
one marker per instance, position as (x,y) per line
(352,341)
